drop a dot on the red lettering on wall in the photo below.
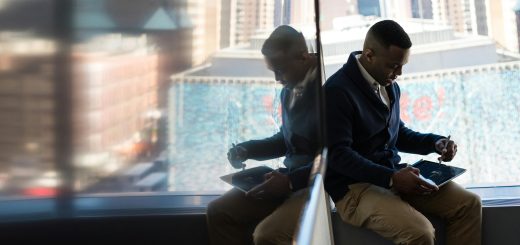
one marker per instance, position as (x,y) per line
(267,102)
(441,95)
(422,108)
(404,103)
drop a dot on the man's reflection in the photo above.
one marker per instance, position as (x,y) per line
(268,213)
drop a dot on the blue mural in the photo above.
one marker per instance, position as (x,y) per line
(479,111)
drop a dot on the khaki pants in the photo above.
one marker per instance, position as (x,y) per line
(400,218)
(237,219)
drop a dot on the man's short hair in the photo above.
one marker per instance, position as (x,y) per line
(388,32)
(286,39)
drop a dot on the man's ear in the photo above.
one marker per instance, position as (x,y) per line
(306,56)
(369,54)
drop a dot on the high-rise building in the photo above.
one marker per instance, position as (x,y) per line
(302,12)
(282,12)
(241,19)
(227,23)
(451,12)
(336,8)
(465,16)
(502,24)
(517,13)
(205,18)
(395,9)
(422,9)
(479,18)
(369,7)
(114,95)
(114,105)
(27,106)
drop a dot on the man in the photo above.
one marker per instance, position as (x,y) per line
(364,178)
(268,213)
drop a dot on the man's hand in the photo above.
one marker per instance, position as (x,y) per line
(275,185)
(407,181)
(236,156)
(447,148)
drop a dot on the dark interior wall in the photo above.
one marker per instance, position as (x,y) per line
(152,229)
(501,227)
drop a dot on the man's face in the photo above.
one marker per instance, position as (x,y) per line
(387,64)
(288,69)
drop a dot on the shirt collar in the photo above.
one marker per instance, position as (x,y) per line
(371,81)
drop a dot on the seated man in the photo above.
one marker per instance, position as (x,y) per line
(269,212)
(365,134)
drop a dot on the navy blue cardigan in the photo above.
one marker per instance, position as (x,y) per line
(297,139)
(364,137)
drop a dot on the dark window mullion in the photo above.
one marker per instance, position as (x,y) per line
(63,34)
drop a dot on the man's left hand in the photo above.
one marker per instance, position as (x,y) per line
(447,148)
(276,185)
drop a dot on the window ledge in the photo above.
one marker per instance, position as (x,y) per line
(179,203)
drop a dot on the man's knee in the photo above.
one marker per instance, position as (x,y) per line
(267,234)
(412,231)
(473,201)
(214,210)
(471,207)
(470,204)
(261,236)
(420,235)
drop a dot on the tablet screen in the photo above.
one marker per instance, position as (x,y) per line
(247,179)
(438,173)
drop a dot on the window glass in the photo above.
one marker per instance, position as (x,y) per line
(135,96)
(160,90)
(461,77)
(27,100)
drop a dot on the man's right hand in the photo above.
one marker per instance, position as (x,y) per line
(236,156)
(407,181)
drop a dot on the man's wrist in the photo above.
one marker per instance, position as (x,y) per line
(244,153)
(391,181)
(438,144)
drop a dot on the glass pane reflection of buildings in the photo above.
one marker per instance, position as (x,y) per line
(26,115)
(161,89)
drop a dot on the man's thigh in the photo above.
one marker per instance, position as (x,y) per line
(384,212)
(444,203)
(279,226)
(235,206)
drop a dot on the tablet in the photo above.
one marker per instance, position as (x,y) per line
(245,180)
(440,174)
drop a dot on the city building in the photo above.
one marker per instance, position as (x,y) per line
(466,16)
(205,20)
(114,101)
(302,12)
(503,23)
(422,9)
(27,106)
(396,9)
(434,46)
(241,19)
(334,9)
(282,12)
(369,7)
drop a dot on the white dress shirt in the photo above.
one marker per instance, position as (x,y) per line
(376,87)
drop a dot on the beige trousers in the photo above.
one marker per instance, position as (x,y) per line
(400,218)
(237,219)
